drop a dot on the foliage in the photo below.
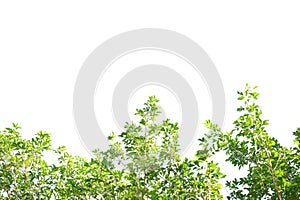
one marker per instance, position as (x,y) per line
(22,167)
(24,174)
(273,170)
(148,154)
(143,162)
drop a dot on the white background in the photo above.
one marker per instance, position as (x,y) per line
(43,45)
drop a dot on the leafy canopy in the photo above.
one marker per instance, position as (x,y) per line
(143,162)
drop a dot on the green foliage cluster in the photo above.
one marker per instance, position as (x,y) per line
(147,156)
(273,170)
(24,174)
(143,162)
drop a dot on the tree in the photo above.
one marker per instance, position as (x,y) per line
(22,168)
(273,170)
(151,166)
(147,153)
(24,174)
(143,162)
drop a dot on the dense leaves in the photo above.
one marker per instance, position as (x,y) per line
(24,174)
(150,163)
(143,162)
(273,170)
